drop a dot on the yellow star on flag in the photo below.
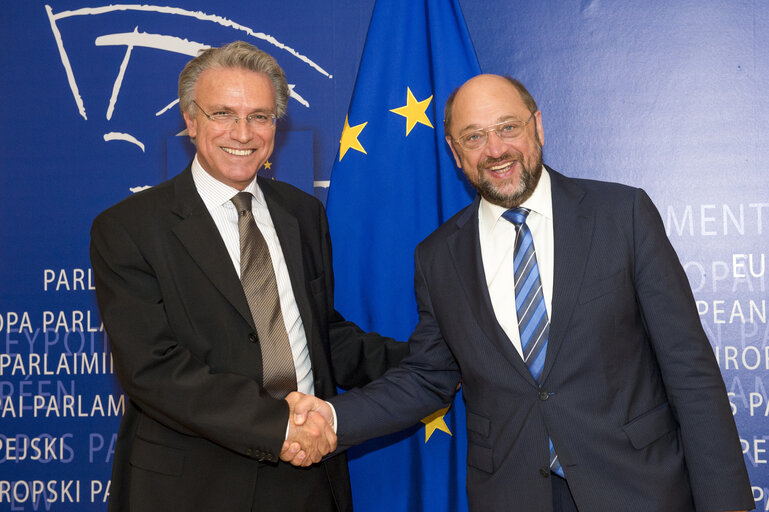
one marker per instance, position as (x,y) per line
(414,111)
(268,165)
(436,422)
(349,138)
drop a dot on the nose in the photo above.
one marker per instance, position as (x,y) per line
(241,132)
(494,145)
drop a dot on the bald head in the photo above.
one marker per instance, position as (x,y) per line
(479,87)
(494,131)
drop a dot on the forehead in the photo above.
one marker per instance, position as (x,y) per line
(486,100)
(235,85)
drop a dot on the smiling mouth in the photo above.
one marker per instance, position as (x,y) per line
(502,167)
(237,152)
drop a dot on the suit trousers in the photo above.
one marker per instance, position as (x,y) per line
(562,498)
(308,489)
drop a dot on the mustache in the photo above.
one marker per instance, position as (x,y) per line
(490,161)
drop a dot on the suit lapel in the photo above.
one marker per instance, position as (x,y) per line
(573,225)
(198,233)
(465,249)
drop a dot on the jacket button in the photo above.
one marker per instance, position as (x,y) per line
(249,452)
(253,338)
(543,395)
(544,472)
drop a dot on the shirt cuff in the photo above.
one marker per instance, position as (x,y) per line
(333,411)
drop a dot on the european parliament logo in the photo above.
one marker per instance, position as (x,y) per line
(121,64)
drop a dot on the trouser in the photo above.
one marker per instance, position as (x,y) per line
(562,499)
(282,488)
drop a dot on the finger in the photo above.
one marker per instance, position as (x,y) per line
(320,427)
(316,457)
(292,399)
(299,459)
(311,459)
(284,452)
(302,406)
(289,451)
(326,431)
(325,410)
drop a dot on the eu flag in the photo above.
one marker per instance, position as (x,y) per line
(394,181)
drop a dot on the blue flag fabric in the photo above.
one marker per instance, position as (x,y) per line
(394,181)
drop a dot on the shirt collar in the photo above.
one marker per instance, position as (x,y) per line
(215,193)
(540,203)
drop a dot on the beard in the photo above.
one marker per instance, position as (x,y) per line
(527,180)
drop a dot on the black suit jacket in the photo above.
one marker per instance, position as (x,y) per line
(198,425)
(631,394)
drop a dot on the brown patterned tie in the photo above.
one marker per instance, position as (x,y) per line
(258,279)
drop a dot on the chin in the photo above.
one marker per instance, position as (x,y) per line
(508,197)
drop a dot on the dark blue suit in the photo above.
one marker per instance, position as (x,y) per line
(631,394)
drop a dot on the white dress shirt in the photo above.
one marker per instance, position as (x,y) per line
(217,198)
(497,239)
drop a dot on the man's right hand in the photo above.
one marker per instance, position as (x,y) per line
(310,433)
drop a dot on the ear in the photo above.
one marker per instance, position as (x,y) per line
(450,142)
(192,124)
(540,131)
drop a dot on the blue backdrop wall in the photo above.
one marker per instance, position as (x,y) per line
(669,96)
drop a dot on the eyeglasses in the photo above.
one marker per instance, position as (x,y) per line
(506,130)
(229,120)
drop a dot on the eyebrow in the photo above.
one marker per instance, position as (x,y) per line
(230,109)
(476,127)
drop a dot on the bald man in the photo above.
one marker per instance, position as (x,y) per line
(589,382)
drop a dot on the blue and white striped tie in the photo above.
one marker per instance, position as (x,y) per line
(533,322)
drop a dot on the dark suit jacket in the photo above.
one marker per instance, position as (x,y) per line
(198,425)
(631,393)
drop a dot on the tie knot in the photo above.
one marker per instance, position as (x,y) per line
(516,215)
(242,201)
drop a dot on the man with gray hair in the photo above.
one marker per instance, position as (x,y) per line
(216,290)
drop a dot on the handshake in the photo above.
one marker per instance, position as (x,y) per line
(311,433)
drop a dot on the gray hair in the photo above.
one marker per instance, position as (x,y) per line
(238,54)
